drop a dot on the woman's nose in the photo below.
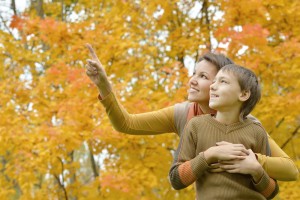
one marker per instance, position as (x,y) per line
(192,81)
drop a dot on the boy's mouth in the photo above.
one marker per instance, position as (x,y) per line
(214,96)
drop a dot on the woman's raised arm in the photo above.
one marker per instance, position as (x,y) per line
(150,123)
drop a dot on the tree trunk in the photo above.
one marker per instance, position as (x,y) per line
(13,7)
(38,6)
(206,23)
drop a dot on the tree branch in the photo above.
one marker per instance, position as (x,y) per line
(61,184)
(94,166)
(5,26)
(291,137)
(277,125)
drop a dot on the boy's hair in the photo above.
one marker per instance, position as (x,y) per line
(248,82)
(218,60)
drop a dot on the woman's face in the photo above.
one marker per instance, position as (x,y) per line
(200,82)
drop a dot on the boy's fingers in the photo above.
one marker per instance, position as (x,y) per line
(222,143)
(227,167)
(226,162)
(232,171)
(214,165)
(216,170)
(246,151)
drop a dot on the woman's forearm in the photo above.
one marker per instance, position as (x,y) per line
(150,123)
(279,166)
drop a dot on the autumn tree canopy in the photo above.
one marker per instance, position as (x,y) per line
(56,141)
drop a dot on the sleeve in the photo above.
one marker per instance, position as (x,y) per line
(150,123)
(187,167)
(280,166)
(267,186)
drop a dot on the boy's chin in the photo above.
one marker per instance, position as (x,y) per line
(213,106)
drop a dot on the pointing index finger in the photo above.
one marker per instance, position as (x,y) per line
(92,52)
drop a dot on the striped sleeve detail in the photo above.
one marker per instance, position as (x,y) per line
(186,174)
(187,166)
(267,186)
(199,165)
(175,178)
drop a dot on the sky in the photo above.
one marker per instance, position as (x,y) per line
(20,4)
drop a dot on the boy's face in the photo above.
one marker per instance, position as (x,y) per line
(225,92)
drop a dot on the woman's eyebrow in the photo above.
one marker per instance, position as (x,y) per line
(202,72)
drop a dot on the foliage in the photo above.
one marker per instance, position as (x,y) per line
(56,141)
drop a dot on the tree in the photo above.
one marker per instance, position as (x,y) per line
(56,140)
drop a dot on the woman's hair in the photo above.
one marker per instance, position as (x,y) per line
(218,60)
(248,82)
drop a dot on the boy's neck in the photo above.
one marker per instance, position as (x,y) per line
(228,117)
(206,109)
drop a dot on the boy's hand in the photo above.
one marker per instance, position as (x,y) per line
(225,151)
(249,165)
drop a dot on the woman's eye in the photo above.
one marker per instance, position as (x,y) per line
(223,81)
(203,76)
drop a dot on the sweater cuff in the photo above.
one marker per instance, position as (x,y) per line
(199,165)
(108,97)
(263,183)
(261,159)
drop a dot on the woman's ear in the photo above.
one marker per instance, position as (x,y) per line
(245,95)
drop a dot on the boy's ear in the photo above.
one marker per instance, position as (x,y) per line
(245,95)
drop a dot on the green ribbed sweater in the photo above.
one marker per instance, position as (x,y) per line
(189,163)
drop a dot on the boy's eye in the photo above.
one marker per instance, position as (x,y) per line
(223,81)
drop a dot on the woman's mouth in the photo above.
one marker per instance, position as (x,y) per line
(193,90)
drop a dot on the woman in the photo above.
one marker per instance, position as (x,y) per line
(174,118)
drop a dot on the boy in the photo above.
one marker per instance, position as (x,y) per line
(233,94)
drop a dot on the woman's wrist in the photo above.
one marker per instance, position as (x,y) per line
(104,89)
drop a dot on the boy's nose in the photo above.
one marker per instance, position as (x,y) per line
(212,86)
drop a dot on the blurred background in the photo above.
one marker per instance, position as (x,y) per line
(55,139)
